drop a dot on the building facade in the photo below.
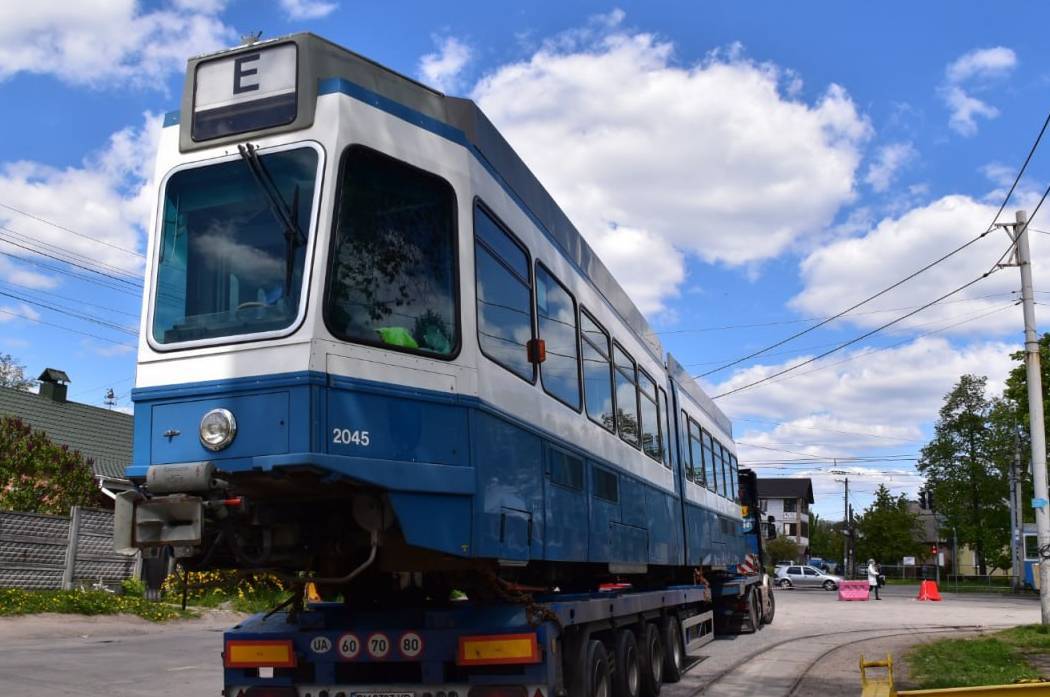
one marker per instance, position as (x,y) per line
(788,501)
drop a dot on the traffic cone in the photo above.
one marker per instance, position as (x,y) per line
(928,591)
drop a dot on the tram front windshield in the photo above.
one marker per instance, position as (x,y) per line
(233,246)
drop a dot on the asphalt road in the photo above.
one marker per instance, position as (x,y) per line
(810,649)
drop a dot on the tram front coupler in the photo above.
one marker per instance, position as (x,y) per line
(168,511)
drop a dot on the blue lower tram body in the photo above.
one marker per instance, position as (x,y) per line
(462,477)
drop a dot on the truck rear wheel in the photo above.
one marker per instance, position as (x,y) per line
(627,676)
(674,651)
(652,660)
(587,672)
(770,607)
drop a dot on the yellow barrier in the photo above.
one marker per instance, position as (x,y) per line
(881,686)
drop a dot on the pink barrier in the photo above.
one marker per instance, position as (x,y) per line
(853,590)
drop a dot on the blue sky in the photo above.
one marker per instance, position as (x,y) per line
(761,164)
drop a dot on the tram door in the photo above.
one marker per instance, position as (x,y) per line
(565,507)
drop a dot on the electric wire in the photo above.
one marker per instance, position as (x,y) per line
(857,338)
(70,230)
(63,327)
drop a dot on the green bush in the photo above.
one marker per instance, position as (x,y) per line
(244,592)
(133,587)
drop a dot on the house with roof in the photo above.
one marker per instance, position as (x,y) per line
(102,436)
(788,500)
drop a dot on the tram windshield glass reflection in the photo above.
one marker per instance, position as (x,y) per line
(228,265)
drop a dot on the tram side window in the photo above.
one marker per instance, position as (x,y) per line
(696,469)
(734,479)
(649,416)
(723,469)
(709,463)
(566,470)
(606,485)
(504,294)
(556,314)
(665,423)
(626,396)
(392,279)
(597,372)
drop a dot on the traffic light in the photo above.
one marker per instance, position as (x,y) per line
(933,550)
(929,499)
(922,499)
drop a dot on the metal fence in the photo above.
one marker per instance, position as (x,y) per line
(46,552)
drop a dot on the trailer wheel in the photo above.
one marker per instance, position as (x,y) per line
(597,670)
(652,650)
(752,611)
(770,608)
(627,673)
(674,651)
(587,671)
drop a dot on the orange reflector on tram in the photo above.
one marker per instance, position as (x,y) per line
(498,649)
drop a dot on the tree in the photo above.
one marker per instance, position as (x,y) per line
(886,530)
(40,476)
(825,539)
(13,374)
(965,465)
(782,549)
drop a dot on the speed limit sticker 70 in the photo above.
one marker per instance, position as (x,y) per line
(348,646)
(410,644)
(378,645)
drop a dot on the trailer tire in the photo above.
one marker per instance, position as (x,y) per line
(769,609)
(674,650)
(652,660)
(627,669)
(587,670)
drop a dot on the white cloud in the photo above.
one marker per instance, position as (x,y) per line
(307,9)
(846,271)
(105,198)
(712,158)
(977,66)
(982,63)
(12,312)
(107,43)
(889,159)
(442,69)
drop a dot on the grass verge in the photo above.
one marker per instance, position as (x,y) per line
(996,659)
(14,601)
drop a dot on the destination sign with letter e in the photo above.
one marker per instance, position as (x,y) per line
(246,91)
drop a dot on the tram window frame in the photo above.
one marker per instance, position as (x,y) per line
(709,462)
(607,355)
(331,261)
(565,469)
(723,488)
(617,371)
(653,399)
(482,208)
(541,267)
(699,476)
(665,420)
(734,481)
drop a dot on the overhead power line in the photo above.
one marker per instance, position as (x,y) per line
(63,327)
(990,228)
(70,230)
(857,338)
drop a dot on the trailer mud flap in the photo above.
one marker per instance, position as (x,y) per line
(164,520)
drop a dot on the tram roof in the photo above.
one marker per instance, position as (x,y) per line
(321,61)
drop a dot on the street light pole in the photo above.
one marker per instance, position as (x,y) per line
(1036,421)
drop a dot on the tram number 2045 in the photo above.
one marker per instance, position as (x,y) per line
(344,436)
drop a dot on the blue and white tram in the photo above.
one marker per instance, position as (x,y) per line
(370,333)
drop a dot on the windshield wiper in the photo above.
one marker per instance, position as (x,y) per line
(285,215)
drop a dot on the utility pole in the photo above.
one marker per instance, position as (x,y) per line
(1023,257)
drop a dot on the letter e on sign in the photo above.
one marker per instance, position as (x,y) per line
(240,72)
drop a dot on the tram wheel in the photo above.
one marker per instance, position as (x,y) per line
(674,651)
(627,673)
(652,660)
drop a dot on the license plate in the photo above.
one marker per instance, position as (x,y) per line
(382,694)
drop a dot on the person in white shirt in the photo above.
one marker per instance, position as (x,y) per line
(873,578)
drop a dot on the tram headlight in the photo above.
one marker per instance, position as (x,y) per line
(218,429)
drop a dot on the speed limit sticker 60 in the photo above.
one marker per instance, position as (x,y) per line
(349,646)
(410,644)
